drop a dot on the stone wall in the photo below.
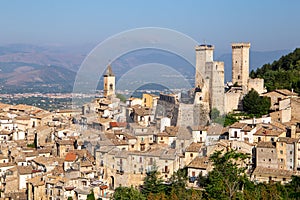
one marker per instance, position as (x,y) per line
(257,84)
(295,105)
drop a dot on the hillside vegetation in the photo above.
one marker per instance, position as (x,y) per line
(281,74)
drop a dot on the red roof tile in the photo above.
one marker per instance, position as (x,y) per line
(70,157)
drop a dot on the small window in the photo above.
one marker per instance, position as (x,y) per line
(291,152)
(191,155)
(270,160)
(281,152)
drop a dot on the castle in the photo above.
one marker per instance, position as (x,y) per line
(210,78)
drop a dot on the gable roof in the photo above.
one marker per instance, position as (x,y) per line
(70,157)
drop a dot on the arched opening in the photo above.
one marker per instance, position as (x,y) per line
(112,184)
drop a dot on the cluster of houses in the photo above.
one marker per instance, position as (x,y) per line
(70,154)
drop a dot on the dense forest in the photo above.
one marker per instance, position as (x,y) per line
(229,179)
(281,74)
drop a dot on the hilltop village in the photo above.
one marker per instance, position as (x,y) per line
(71,154)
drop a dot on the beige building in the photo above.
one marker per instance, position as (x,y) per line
(209,77)
(240,63)
(149,100)
(268,175)
(109,82)
(266,155)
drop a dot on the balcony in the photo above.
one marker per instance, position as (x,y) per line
(192,179)
(165,171)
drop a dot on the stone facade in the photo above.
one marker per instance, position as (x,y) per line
(109,82)
(240,63)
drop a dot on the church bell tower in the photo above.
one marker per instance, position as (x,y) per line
(109,82)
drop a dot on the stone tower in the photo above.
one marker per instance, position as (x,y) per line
(204,54)
(214,74)
(240,63)
(109,82)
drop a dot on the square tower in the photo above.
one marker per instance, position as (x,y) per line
(204,54)
(214,74)
(109,82)
(240,63)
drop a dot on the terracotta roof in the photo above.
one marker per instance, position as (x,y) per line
(286,92)
(129,136)
(5,132)
(3,105)
(275,172)
(215,129)
(118,124)
(268,132)
(83,153)
(23,117)
(248,128)
(142,111)
(65,142)
(287,140)
(24,107)
(199,128)
(119,142)
(25,170)
(199,163)
(194,147)
(6,164)
(86,163)
(36,181)
(70,157)
(31,153)
(3,117)
(262,144)
(172,130)
(238,125)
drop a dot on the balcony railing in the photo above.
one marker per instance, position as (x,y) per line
(192,179)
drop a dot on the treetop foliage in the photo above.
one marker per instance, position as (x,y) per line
(281,74)
(255,104)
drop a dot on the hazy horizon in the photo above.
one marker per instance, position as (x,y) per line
(269,25)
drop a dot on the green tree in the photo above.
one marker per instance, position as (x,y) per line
(256,105)
(293,188)
(127,193)
(91,196)
(228,174)
(121,97)
(281,74)
(202,181)
(214,114)
(153,183)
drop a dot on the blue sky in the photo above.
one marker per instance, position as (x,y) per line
(267,24)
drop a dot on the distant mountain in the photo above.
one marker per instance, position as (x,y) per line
(43,55)
(29,77)
(54,67)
